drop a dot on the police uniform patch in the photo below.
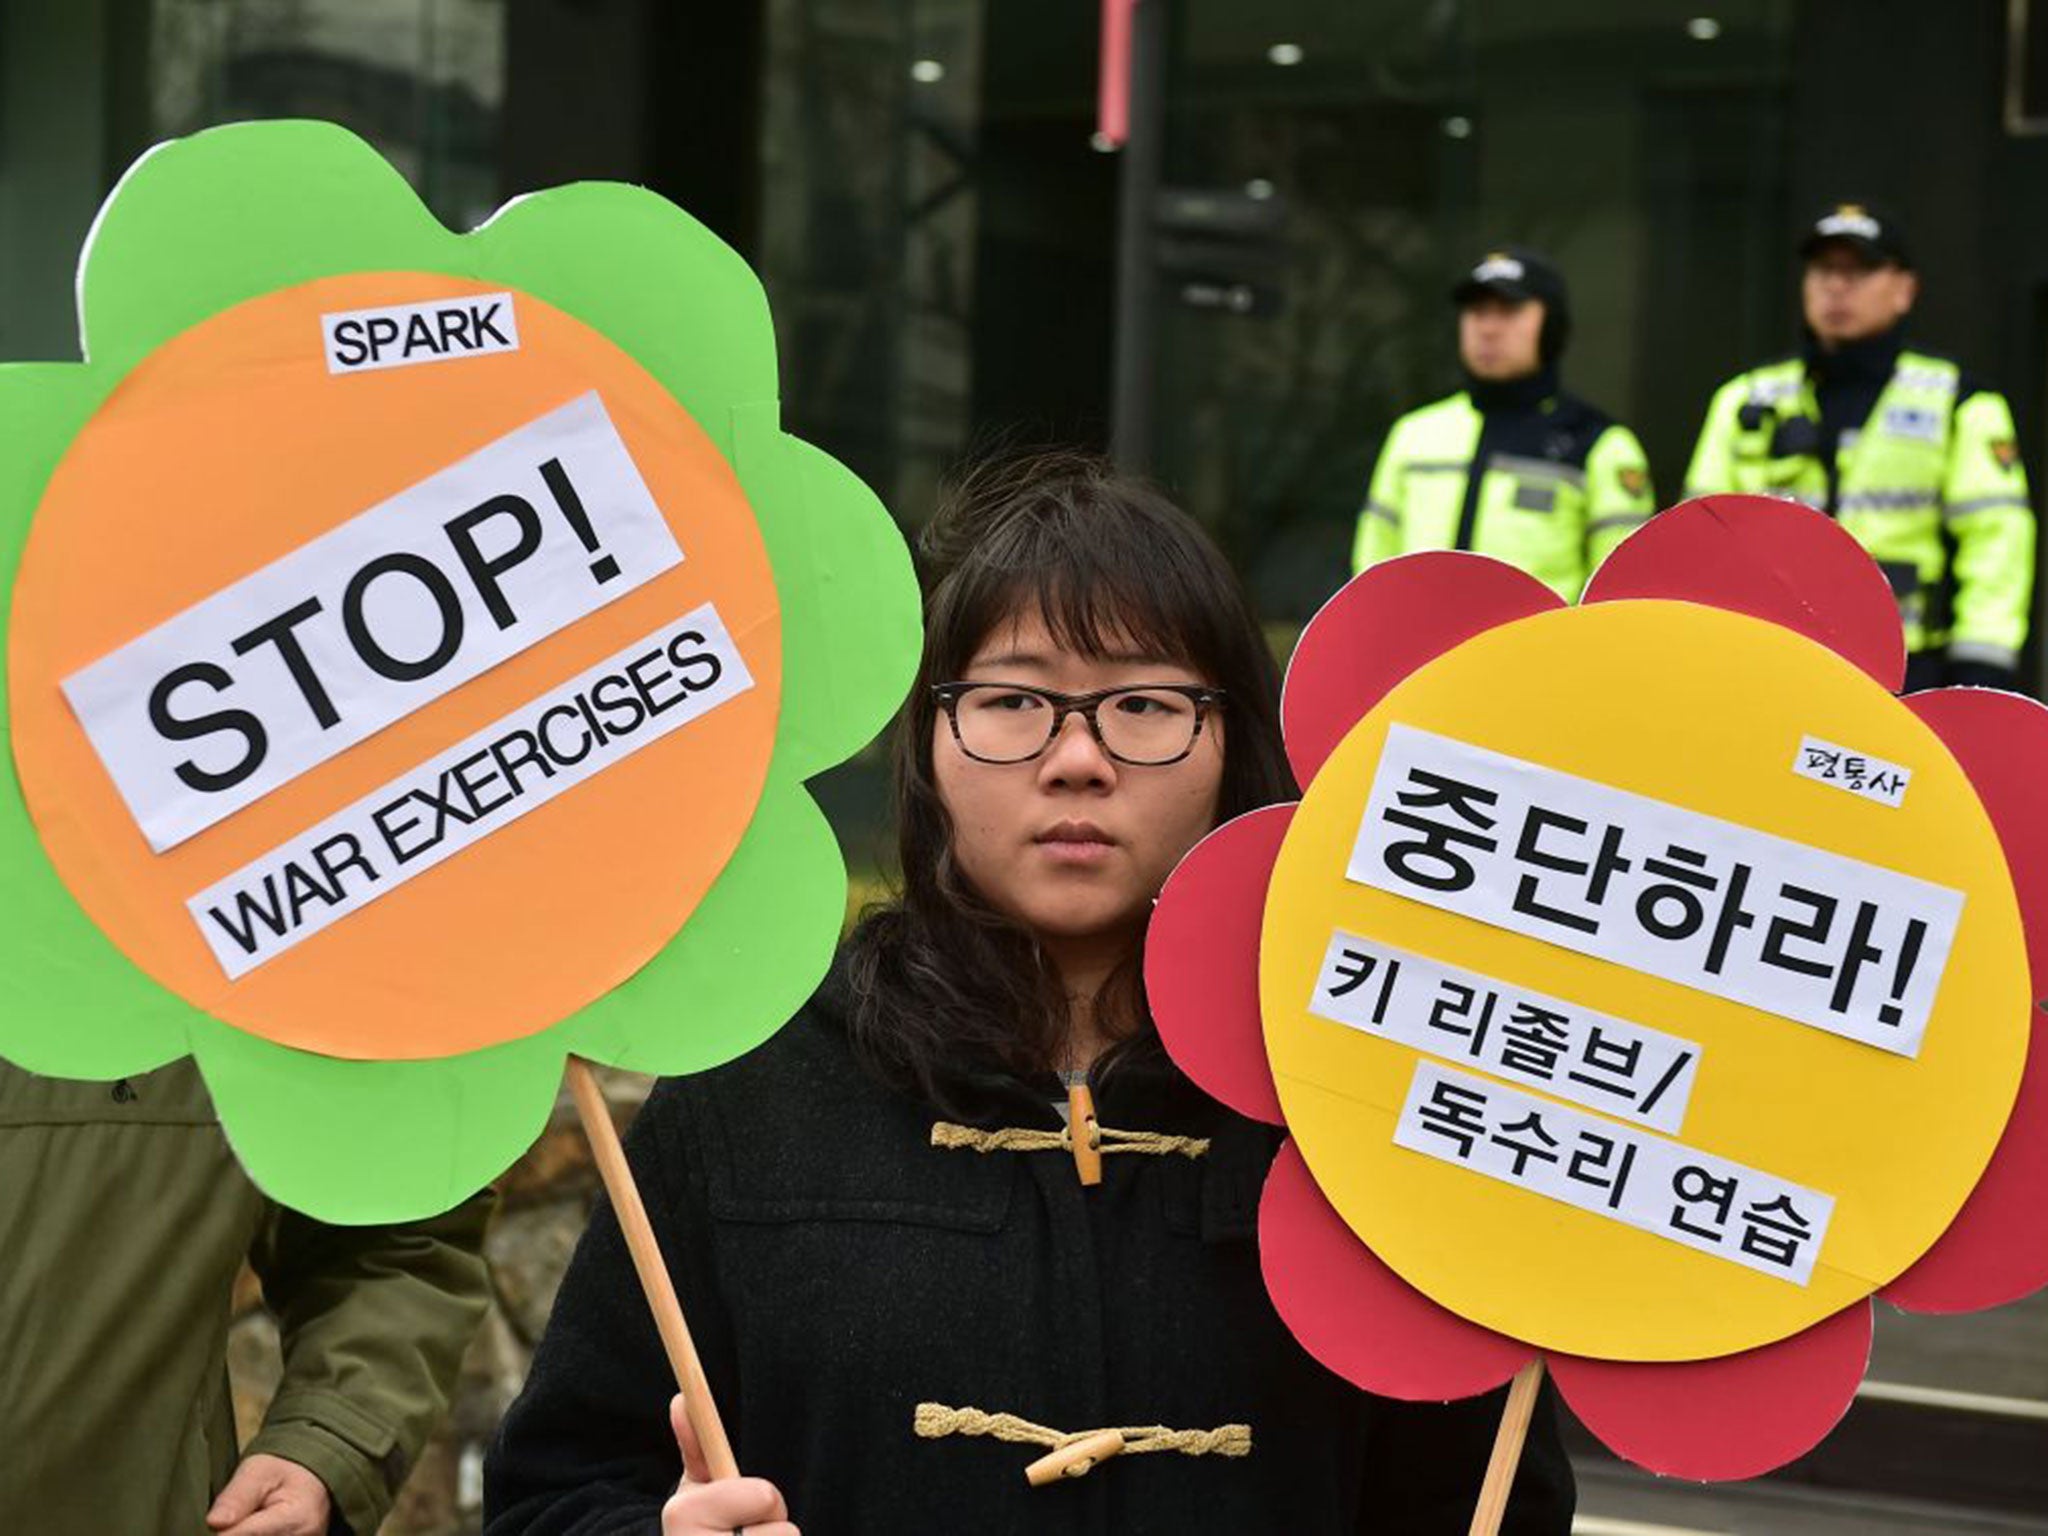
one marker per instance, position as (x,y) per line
(2006,450)
(1914,422)
(1635,481)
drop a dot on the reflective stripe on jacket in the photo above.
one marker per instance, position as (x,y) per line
(1932,459)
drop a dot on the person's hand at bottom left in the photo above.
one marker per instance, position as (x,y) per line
(270,1496)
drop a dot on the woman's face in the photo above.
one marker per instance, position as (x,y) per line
(1073,844)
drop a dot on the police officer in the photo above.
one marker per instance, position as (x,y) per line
(1912,455)
(1511,465)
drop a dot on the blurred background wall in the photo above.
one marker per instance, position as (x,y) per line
(917,185)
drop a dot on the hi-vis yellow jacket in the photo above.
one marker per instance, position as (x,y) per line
(1935,465)
(1550,489)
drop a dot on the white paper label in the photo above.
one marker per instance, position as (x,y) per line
(1590,1058)
(300,660)
(398,335)
(1856,773)
(1661,1187)
(1809,935)
(460,796)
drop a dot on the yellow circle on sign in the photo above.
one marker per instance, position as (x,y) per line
(1704,710)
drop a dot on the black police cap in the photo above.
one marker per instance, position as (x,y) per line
(1513,272)
(1870,232)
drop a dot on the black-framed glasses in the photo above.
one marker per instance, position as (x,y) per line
(1146,724)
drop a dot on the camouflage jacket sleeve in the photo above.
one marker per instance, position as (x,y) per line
(373,1322)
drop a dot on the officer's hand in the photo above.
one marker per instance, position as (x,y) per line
(1979,674)
(704,1508)
(269,1496)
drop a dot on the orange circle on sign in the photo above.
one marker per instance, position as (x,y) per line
(231,446)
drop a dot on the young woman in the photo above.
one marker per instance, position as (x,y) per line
(869,1293)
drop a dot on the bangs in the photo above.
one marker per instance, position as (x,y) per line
(1113,577)
(1088,611)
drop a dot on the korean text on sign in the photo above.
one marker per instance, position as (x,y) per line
(1606,1063)
(1856,773)
(1809,935)
(1661,1187)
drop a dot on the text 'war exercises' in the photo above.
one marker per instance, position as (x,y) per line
(478,786)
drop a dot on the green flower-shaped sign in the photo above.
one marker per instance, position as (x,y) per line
(417,644)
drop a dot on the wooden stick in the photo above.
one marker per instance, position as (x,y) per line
(1507,1450)
(596,1115)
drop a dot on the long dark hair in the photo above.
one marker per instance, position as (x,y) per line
(940,979)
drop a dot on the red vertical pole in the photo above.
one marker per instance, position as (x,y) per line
(1113,84)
